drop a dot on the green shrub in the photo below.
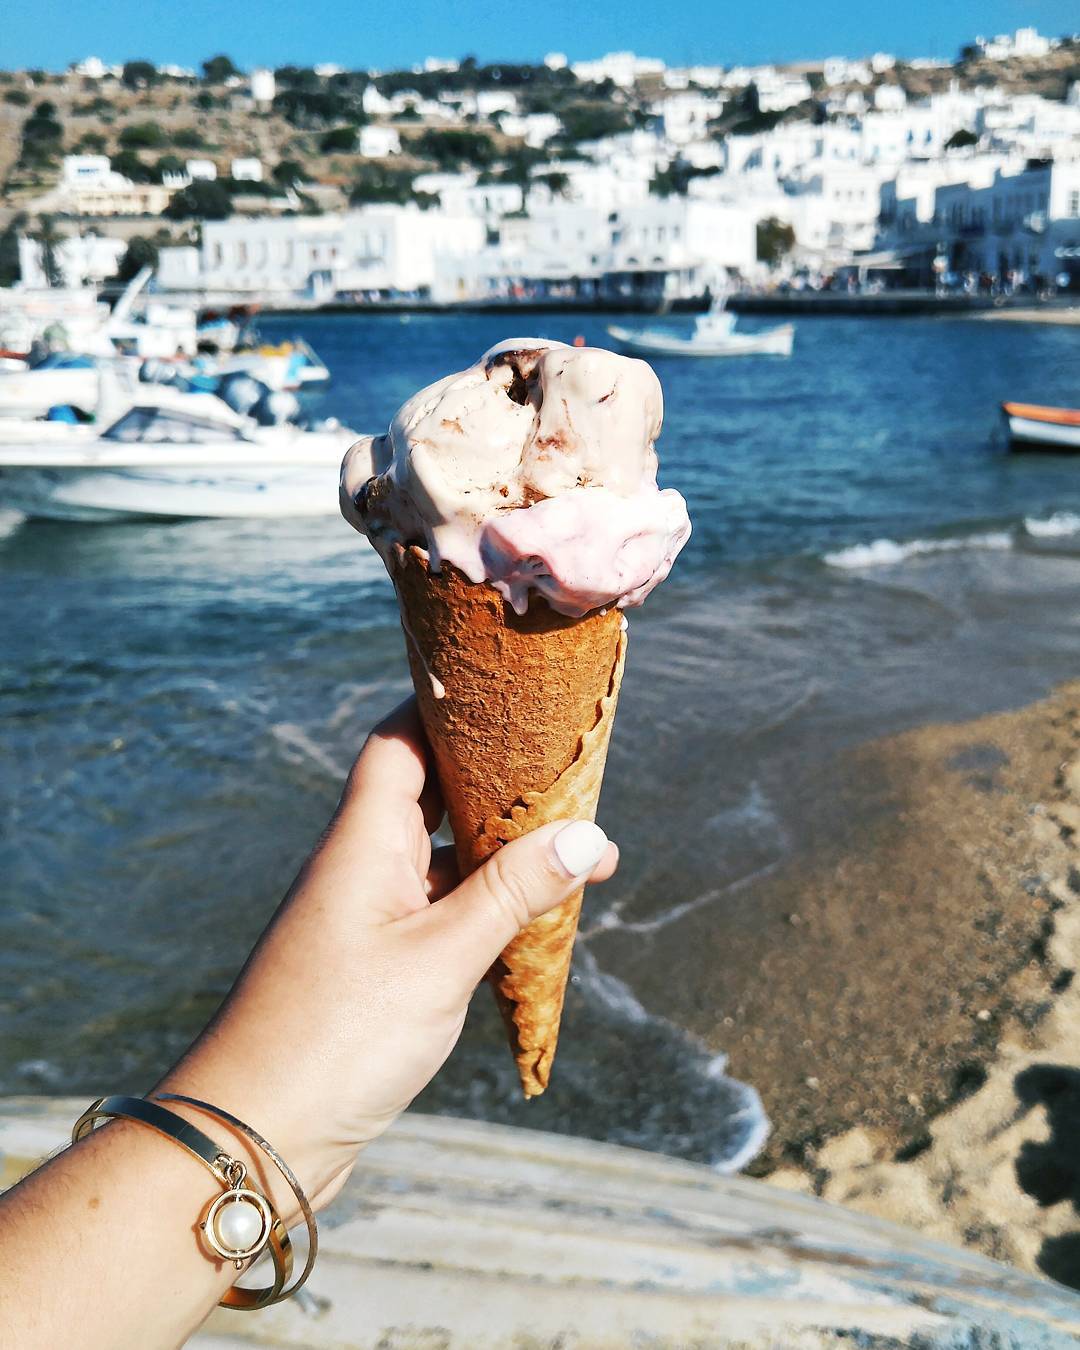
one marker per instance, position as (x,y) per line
(143,136)
(19,97)
(340,138)
(200,201)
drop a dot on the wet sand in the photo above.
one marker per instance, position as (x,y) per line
(905,1003)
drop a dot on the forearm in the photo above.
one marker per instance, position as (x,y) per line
(101,1246)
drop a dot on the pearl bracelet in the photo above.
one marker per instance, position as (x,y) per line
(240,1223)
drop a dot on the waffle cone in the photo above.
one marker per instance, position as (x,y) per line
(518,710)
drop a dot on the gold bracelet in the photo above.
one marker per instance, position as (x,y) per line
(228,1210)
(278,1161)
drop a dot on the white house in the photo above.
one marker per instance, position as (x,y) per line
(382,248)
(839,70)
(686,116)
(204,169)
(263,87)
(83,260)
(621,68)
(377,142)
(781,89)
(1024,43)
(247,170)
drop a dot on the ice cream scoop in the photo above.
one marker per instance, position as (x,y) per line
(534,470)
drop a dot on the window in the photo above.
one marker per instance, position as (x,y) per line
(241,254)
(1074,205)
(155,426)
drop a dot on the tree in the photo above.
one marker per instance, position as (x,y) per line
(218,69)
(10,270)
(340,138)
(19,98)
(139,74)
(381,183)
(517,168)
(201,200)
(171,164)
(188,138)
(775,238)
(143,136)
(141,252)
(42,137)
(593,121)
(48,239)
(960,139)
(131,166)
(451,148)
(557,183)
(91,143)
(288,173)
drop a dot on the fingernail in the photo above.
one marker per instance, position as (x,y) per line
(579,847)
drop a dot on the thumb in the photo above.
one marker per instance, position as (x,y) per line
(517,884)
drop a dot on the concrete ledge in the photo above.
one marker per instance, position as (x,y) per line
(454,1235)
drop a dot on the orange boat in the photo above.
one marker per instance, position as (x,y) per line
(1032,426)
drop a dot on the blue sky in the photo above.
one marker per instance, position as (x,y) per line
(358,33)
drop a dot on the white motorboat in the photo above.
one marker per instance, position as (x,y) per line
(713,334)
(1033,426)
(288,365)
(61,380)
(171,455)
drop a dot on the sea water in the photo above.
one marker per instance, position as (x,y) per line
(180,702)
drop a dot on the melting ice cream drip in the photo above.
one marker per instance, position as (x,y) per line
(533,471)
(438,689)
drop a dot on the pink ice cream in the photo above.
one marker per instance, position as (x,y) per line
(533,470)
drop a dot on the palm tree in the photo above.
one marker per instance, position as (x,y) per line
(48,238)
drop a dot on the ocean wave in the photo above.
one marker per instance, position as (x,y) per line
(888,552)
(1053,527)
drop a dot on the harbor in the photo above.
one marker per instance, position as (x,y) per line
(817,1079)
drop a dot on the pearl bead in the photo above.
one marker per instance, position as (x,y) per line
(238,1225)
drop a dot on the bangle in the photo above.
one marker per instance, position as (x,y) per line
(238,1196)
(278,1161)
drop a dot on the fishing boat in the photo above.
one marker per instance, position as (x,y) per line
(173,455)
(713,334)
(287,365)
(1033,426)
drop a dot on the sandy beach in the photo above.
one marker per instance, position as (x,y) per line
(956,1034)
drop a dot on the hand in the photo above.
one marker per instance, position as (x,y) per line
(357,991)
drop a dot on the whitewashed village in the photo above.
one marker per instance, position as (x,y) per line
(617,181)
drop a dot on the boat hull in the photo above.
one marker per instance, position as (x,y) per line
(772,342)
(80,494)
(1036,428)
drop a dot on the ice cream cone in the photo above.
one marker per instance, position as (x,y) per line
(518,710)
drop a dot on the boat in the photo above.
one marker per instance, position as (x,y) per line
(713,334)
(1033,426)
(172,454)
(287,365)
(59,379)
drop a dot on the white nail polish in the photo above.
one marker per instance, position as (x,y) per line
(580,846)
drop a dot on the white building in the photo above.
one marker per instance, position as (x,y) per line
(204,169)
(889,98)
(1002,217)
(664,248)
(93,68)
(556,61)
(379,248)
(535,129)
(839,70)
(781,89)
(686,116)
(83,260)
(89,186)
(247,170)
(263,87)
(1024,43)
(621,68)
(378,142)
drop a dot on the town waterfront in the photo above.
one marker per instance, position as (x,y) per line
(182,701)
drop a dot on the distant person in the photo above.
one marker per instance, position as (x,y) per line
(350,1003)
